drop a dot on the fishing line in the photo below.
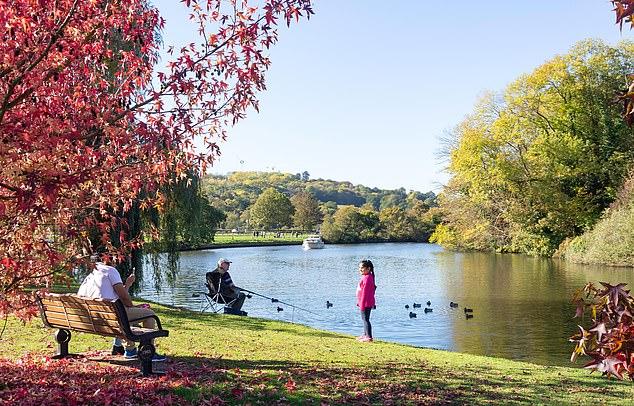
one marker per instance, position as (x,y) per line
(274,300)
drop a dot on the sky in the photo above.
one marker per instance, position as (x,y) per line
(365,90)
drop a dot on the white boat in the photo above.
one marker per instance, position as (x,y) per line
(313,242)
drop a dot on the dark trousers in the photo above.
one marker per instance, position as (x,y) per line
(230,295)
(365,316)
(237,305)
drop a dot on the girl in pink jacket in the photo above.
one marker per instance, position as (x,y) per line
(365,297)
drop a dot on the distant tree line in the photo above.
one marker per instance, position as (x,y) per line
(342,211)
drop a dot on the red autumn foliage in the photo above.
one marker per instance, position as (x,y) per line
(38,380)
(290,385)
(624,10)
(610,339)
(88,120)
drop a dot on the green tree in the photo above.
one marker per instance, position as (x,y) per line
(232,221)
(540,162)
(307,212)
(424,220)
(272,210)
(187,219)
(236,192)
(396,224)
(328,230)
(371,225)
(350,224)
(414,198)
(329,207)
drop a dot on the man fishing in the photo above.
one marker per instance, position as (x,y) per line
(220,279)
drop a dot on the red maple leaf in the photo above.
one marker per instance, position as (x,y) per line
(610,366)
(290,385)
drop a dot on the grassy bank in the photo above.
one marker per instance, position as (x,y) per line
(218,358)
(270,237)
(228,240)
(610,242)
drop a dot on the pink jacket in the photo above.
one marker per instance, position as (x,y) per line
(365,292)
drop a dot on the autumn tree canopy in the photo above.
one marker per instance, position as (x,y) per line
(541,161)
(307,213)
(87,121)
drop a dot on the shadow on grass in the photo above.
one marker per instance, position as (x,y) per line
(523,386)
(393,383)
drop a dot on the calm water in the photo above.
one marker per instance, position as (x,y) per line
(521,304)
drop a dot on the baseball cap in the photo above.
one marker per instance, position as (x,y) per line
(223,261)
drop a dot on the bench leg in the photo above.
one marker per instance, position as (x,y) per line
(146,352)
(62,336)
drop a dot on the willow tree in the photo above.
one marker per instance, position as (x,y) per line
(186,220)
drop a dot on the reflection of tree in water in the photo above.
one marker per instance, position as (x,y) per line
(522,305)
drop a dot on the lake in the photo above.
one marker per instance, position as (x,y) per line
(522,305)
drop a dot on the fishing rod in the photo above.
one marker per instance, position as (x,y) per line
(274,300)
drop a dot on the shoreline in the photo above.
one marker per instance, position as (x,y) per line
(283,243)
(239,245)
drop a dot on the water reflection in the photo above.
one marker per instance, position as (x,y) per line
(521,305)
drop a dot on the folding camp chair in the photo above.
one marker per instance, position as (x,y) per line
(215,300)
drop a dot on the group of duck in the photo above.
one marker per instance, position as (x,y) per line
(467,311)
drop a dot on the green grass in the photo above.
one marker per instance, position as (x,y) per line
(230,238)
(251,360)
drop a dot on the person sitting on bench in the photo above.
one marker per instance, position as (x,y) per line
(220,280)
(104,282)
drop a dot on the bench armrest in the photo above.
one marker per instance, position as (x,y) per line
(153,316)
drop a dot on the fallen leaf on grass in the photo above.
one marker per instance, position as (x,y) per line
(290,385)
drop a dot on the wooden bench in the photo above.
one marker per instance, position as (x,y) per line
(97,316)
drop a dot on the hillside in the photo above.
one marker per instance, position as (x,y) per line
(235,192)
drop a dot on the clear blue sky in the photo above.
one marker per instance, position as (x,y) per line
(364,90)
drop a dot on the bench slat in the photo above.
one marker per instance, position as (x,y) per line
(85,327)
(60,318)
(69,310)
(98,307)
(94,315)
(80,312)
(79,304)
